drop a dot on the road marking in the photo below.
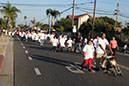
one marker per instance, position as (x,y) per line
(123,67)
(26,51)
(74,69)
(37,71)
(23,46)
(29,58)
(80,63)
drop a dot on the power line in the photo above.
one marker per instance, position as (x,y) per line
(66,10)
(96,12)
(43,19)
(38,5)
(102,11)
(84,3)
(113,3)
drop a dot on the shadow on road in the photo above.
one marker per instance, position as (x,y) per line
(51,60)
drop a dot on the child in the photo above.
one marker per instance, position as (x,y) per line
(62,44)
(69,42)
(26,36)
(54,44)
(88,52)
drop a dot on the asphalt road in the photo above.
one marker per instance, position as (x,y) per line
(39,66)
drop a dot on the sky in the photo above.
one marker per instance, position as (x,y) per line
(103,8)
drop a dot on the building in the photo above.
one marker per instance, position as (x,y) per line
(79,19)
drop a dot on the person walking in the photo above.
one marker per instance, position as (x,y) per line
(78,40)
(114,45)
(54,44)
(124,48)
(101,50)
(69,42)
(95,42)
(62,44)
(88,53)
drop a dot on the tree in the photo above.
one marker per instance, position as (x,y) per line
(33,22)
(25,17)
(126,30)
(102,24)
(54,13)
(21,26)
(61,29)
(10,12)
(44,27)
(2,24)
(65,23)
(38,24)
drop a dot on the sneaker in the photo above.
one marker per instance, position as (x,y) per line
(105,71)
(91,71)
(82,68)
(97,69)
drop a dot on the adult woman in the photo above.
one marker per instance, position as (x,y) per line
(114,45)
(88,53)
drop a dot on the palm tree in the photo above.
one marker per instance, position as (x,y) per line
(48,13)
(25,17)
(61,29)
(33,22)
(38,24)
(21,26)
(9,12)
(54,13)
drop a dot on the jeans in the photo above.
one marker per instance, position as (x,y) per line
(77,45)
(42,42)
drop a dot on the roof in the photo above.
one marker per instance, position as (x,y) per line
(78,16)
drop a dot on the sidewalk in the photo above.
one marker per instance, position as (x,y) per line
(6,71)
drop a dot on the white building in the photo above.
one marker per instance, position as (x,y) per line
(79,19)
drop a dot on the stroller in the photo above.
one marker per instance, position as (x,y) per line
(112,66)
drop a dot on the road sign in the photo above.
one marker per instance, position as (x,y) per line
(74,29)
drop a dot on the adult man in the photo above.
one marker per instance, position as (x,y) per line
(101,50)
(78,40)
(42,39)
(95,41)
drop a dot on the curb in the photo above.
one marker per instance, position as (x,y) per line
(1,61)
(3,55)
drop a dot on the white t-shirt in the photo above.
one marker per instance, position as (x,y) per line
(103,42)
(26,36)
(10,33)
(88,49)
(62,42)
(45,36)
(65,37)
(42,36)
(125,47)
(36,37)
(69,43)
(95,42)
(55,42)
(85,41)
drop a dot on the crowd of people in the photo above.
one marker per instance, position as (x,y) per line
(90,47)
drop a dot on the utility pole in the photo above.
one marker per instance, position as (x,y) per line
(116,14)
(93,19)
(73,13)
(49,25)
